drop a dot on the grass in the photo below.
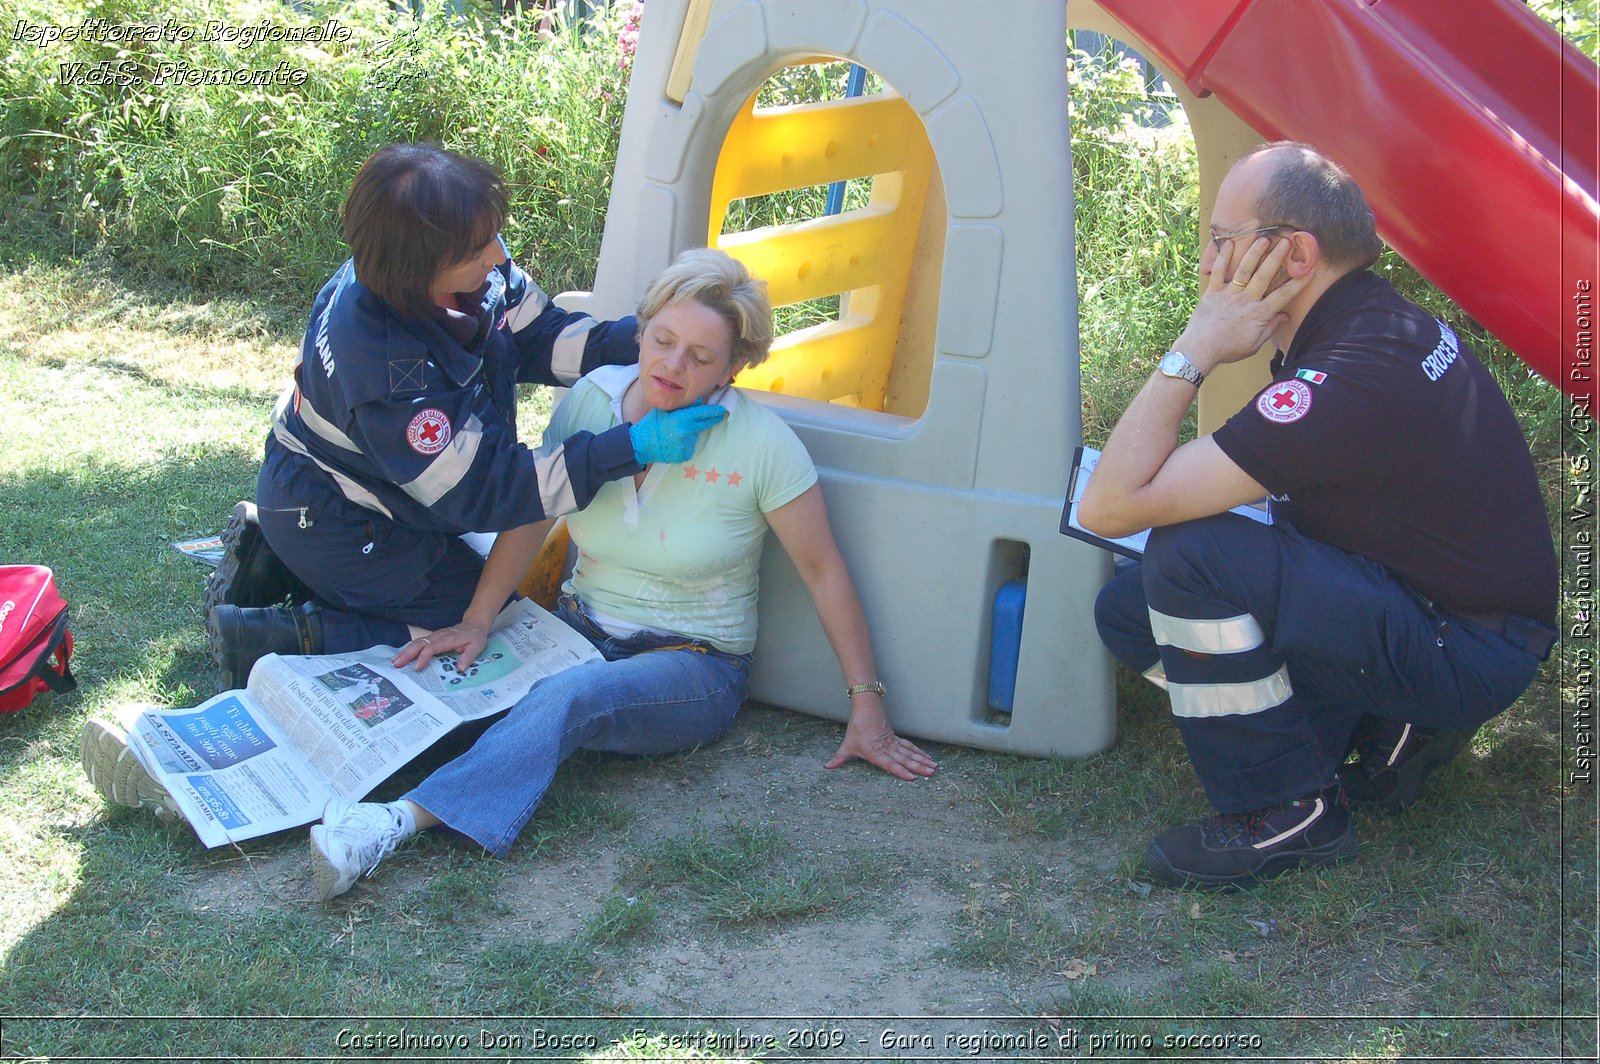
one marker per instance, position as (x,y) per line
(160,391)
(739,874)
(135,383)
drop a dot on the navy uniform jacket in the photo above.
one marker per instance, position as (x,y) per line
(415,419)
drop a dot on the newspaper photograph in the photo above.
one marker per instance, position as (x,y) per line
(308,728)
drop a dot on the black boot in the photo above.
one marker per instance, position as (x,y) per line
(250,574)
(241,636)
(1393,760)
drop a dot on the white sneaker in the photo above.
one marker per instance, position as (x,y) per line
(353,838)
(115,772)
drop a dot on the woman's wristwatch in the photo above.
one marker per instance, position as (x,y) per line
(875,686)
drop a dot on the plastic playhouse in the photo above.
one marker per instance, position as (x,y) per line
(942,404)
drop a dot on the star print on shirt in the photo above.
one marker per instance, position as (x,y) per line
(713,476)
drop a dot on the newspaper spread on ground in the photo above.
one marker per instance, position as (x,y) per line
(309,728)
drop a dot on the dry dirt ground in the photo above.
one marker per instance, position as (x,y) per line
(916,865)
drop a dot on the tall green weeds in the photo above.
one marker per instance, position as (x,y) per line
(1136,219)
(126,141)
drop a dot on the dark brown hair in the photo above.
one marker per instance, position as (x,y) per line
(414,210)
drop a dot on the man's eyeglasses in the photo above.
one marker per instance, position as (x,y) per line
(1218,239)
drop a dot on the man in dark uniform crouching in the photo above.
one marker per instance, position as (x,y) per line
(1406,591)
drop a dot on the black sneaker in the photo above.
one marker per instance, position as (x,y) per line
(1239,849)
(250,574)
(1393,759)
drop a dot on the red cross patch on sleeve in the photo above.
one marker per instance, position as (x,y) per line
(429,432)
(1284,401)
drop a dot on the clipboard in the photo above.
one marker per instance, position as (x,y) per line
(1083,463)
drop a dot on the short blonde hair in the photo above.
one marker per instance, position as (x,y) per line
(719,282)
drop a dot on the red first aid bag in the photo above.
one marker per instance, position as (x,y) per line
(35,644)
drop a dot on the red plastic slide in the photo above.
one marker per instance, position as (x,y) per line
(1471,125)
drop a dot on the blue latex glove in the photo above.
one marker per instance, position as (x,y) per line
(672,435)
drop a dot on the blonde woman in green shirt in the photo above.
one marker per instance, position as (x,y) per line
(664,587)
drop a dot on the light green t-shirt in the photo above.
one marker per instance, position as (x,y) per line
(680,552)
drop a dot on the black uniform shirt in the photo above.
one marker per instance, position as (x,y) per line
(1382,435)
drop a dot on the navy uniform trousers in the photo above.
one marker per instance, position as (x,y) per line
(1271,647)
(363,571)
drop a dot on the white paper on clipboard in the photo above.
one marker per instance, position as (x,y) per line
(1083,463)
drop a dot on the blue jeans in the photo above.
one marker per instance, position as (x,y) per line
(652,694)
(1305,640)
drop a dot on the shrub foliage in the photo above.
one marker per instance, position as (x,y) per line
(165,148)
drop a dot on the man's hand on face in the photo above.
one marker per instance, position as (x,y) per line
(1240,306)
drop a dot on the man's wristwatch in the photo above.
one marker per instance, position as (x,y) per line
(1177,364)
(871,686)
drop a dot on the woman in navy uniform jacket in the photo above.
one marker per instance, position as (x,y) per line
(398,434)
